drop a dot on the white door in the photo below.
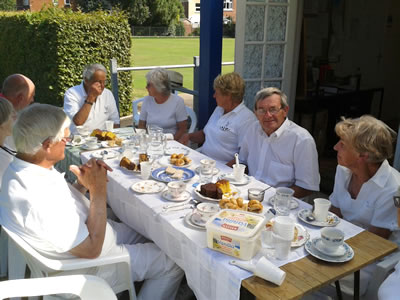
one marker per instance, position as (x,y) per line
(267,46)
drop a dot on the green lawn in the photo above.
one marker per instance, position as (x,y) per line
(170,51)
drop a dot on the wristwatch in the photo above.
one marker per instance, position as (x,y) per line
(396,200)
(90,103)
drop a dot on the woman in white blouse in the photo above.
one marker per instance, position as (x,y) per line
(161,107)
(7,116)
(365,183)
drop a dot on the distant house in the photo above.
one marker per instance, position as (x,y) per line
(192,11)
(36,5)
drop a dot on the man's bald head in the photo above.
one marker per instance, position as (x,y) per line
(19,90)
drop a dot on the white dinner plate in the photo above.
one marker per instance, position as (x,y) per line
(183,197)
(232,180)
(165,161)
(176,150)
(105,154)
(293,202)
(331,220)
(200,197)
(148,186)
(94,147)
(311,248)
(215,170)
(189,222)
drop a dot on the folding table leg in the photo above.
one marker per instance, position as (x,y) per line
(357,285)
(338,290)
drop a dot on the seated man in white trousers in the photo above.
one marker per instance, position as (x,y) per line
(58,221)
(276,150)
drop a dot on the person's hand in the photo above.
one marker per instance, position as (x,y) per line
(92,175)
(184,139)
(94,91)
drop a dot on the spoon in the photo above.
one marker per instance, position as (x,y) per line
(237,159)
(310,217)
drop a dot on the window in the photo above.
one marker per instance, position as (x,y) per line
(197,7)
(228,5)
(67,2)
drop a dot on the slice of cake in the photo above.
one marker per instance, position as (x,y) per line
(224,186)
(170,170)
(178,174)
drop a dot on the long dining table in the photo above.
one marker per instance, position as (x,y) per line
(209,273)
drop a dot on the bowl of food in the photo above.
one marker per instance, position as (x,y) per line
(256,194)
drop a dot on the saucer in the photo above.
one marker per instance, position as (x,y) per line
(189,222)
(340,251)
(229,176)
(183,197)
(94,147)
(196,219)
(105,154)
(331,220)
(293,202)
(215,170)
(312,249)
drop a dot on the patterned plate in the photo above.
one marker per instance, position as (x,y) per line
(189,222)
(148,187)
(200,197)
(310,246)
(177,150)
(331,220)
(161,175)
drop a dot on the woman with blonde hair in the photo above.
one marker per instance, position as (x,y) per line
(365,183)
(7,117)
(223,133)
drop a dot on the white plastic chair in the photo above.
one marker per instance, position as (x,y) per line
(42,266)
(87,287)
(136,114)
(382,271)
(11,260)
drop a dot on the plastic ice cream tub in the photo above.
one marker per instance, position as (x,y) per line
(235,233)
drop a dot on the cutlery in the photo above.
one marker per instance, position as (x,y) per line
(173,209)
(168,206)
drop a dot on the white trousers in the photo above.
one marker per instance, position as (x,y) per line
(160,274)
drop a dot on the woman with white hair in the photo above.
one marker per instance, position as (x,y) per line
(161,107)
(365,183)
(7,116)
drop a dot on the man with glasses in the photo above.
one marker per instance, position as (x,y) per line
(90,104)
(276,150)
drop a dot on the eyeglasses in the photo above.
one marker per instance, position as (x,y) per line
(272,111)
(102,82)
(64,139)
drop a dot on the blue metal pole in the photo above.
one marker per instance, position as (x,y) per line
(211,12)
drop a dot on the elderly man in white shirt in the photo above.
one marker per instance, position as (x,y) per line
(276,150)
(90,104)
(58,221)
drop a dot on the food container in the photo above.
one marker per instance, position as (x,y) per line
(235,232)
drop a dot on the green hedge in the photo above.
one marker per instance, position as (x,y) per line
(53,46)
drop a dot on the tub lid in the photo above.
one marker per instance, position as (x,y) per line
(240,223)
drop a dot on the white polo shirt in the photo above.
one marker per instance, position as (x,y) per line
(224,132)
(164,115)
(102,110)
(287,157)
(374,203)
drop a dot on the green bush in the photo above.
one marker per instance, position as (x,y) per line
(53,46)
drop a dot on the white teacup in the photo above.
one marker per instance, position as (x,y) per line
(109,125)
(207,210)
(77,139)
(82,130)
(238,171)
(332,238)
(207,164)
(91,141)
(176,188)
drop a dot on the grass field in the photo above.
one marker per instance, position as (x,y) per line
(170,51)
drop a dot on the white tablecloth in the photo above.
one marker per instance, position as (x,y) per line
(208,272)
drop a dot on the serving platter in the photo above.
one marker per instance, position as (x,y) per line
(160,174)
(234,190)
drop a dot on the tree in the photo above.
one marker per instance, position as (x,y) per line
(8,5)
(164,12)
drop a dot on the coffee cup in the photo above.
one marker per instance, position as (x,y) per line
(321,208)
(91,141)
(238,171)
(332,238)
(77,139)
(176,188)
(207,164)
(207,210)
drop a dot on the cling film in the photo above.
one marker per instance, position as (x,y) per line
(226,245)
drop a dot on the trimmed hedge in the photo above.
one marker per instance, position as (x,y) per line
(53,46)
